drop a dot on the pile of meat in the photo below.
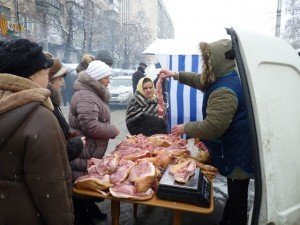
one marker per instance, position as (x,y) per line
(133,170)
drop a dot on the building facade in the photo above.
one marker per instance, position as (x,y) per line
(69,29)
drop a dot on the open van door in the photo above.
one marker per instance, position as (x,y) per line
(270,72)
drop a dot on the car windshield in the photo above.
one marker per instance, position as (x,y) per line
(121,82)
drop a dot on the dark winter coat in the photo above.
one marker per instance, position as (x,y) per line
(136,76)
(90,116)
(74,144)
(35,176)
(142,117)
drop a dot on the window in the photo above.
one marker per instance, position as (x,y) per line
(5,11)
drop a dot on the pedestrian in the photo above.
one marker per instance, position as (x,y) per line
(225,127)
(137,75)
(85,61)
(56,77)
(142,111)
(35,177)
(90,116)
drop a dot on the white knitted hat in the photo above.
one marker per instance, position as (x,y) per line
(98,70)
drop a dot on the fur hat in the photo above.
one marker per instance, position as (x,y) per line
(57,70)
(104,56)
(98,70)
(22,58)
(215,63)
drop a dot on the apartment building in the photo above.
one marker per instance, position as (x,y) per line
(70,28)
(152,13)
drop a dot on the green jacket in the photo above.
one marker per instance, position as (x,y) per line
(221,107)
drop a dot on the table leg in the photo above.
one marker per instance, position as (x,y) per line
(115,212)
(135,206)
(177,217)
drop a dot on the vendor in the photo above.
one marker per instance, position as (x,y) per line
(142,111)
(225,128)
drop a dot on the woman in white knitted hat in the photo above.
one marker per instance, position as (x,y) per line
(90,116)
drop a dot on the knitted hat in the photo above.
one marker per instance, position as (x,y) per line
(22,58)
(104,56)
(57,70)
(98,70)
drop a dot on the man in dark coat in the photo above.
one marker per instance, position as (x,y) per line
(140,73)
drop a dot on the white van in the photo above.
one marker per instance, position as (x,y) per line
(270,72)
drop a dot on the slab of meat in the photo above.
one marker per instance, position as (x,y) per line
(129,191)
(143,176)
(107,165)
(160,161)
(122,171)
(93,182)
(133,153)
(183,170)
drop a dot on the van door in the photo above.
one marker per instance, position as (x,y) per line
(270,72)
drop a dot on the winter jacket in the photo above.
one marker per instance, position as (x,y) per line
(136,76)
(35,176)
(224,111)
(142,117)
(90,116)
(74,142)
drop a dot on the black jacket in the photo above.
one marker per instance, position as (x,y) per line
(142,118)
(136,76)
(74,143)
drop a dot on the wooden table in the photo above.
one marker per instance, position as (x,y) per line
(177,207)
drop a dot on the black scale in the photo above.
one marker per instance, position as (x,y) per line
(196,191)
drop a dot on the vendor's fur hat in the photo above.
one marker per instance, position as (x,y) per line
(22,57)
(215,63)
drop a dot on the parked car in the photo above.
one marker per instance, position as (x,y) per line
(121,90)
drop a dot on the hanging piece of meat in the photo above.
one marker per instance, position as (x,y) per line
(160,98)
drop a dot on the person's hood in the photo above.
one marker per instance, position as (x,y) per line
(17,91)
(215,63)
(19,97)
(85,82)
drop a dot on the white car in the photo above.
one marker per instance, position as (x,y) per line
(121,90)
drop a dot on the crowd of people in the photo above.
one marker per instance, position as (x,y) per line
(42,154)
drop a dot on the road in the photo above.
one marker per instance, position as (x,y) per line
(148,215)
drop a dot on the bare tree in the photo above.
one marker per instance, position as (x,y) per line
(131,41)
(292,26)
(67,25)
(92,24)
